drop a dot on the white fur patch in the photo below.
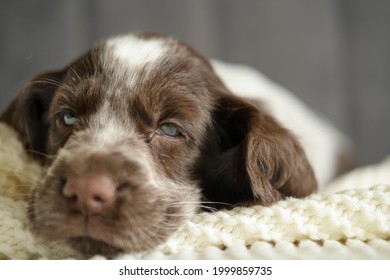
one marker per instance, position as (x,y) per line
(135,52)
(108,129)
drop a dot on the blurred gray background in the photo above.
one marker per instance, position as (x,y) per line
(333,54)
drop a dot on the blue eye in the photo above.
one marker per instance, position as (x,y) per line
(169,130)
(69,118)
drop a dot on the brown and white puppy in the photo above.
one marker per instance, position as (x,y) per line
(136,135)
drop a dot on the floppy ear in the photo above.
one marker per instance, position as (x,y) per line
(255,160)
(27,113)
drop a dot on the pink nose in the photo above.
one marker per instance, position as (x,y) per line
(89,194)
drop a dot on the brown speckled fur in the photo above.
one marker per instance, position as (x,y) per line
(228,151)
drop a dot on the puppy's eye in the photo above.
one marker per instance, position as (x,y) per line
(69,118)
(169,130)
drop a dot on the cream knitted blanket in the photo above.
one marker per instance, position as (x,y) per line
(350,220)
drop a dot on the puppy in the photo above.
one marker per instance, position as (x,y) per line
(136,135)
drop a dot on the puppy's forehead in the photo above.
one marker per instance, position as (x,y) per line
(135,52)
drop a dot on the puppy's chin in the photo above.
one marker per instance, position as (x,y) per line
(90,247)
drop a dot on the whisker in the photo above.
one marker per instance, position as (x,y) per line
(177,215)
(20,196)
(54,82)
(21,185)
(74,71)
(14,173)
(203,204)
(41,154)
(218,203)
(146,237)
(162,154)
(33,55)
(45,80)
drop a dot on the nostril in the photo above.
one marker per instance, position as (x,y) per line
(62,182)
(73,198)
(67,191)
(98,199)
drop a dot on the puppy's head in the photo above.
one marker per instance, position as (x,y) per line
(139,132)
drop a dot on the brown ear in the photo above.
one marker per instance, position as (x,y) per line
(27,113)
(256,160)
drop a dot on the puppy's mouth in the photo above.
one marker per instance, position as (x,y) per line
(94,234)
(133,223)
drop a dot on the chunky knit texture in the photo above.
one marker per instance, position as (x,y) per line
(350,220)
